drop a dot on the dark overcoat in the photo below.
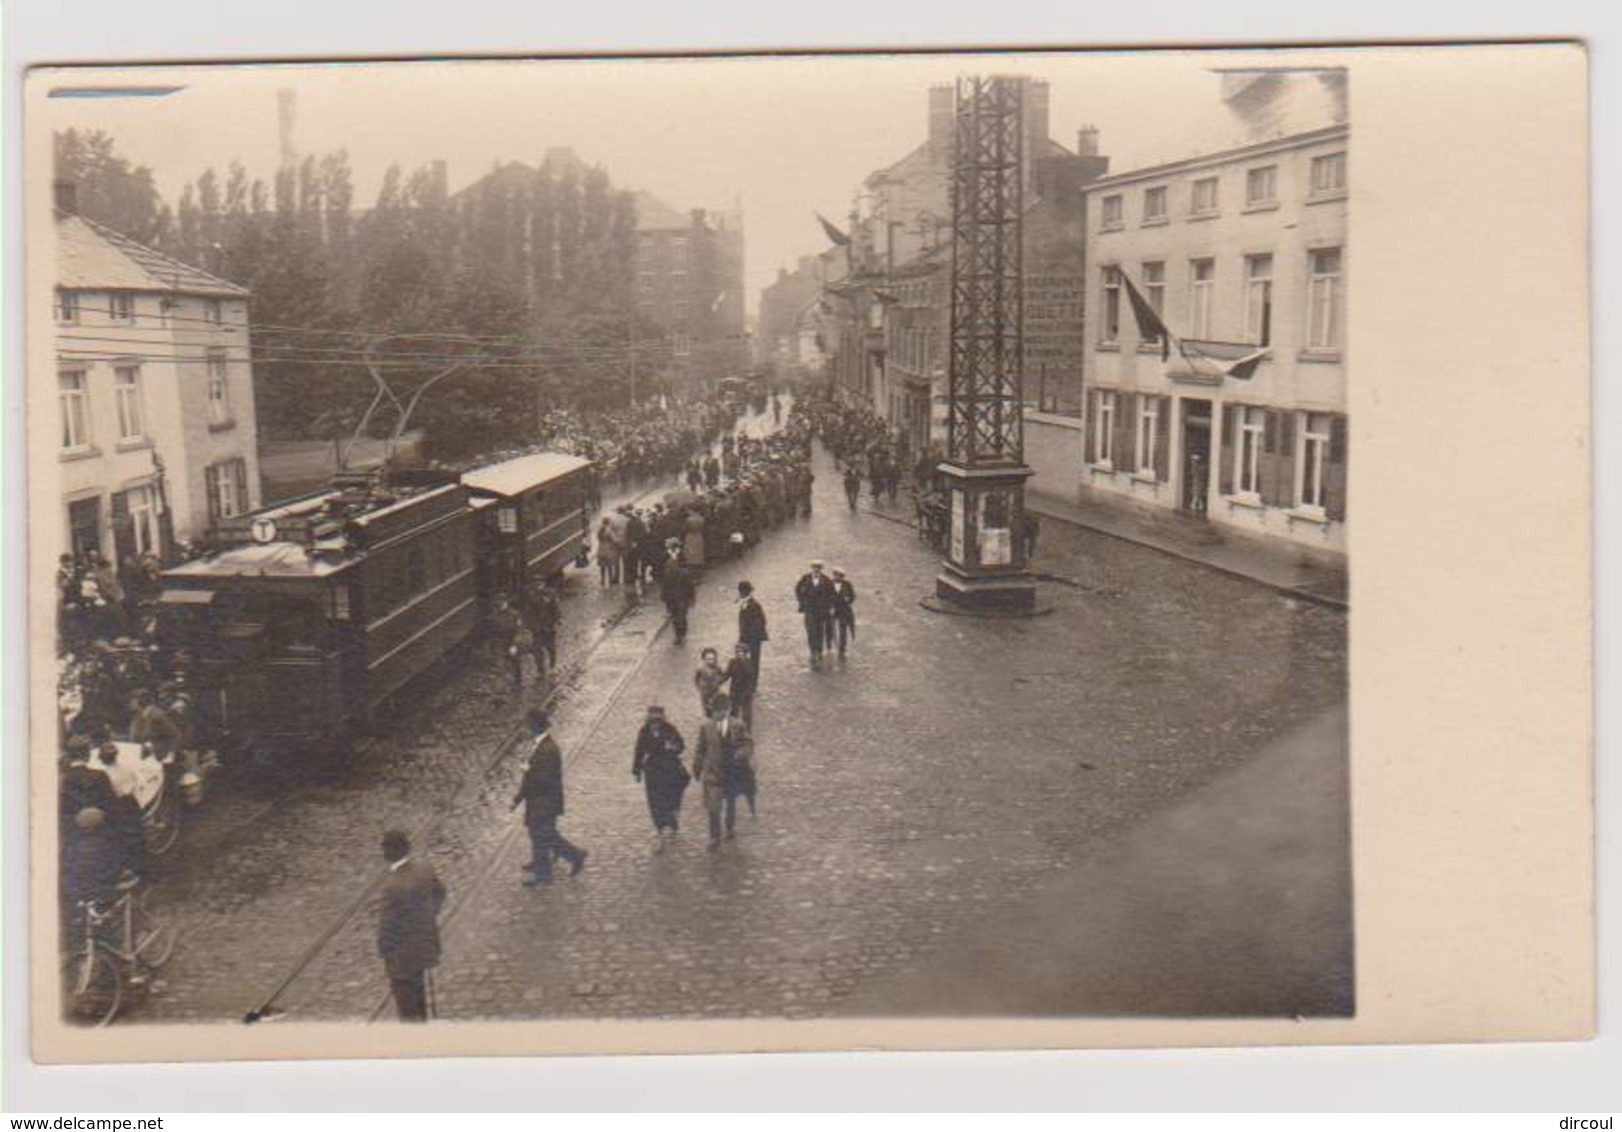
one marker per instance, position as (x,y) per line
(408,930)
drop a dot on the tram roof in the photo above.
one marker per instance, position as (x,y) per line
(280,559)
(516,476)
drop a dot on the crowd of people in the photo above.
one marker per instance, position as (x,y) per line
(120,681)
(731,498)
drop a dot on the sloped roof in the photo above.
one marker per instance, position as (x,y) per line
(93,256)
(653,214)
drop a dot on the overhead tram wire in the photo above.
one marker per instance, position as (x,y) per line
(335,332)
(532,349)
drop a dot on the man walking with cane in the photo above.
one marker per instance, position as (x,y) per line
(408,930)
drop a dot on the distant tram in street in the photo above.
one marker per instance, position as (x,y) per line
(313,615)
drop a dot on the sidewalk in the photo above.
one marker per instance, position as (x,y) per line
(1205,543)
(1235,902)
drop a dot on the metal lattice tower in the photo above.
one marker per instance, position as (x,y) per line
(985,378)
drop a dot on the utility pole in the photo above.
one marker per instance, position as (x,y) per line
(984,569)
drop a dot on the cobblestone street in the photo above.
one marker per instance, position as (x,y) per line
(937,788)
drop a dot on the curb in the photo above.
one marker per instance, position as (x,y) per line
(1292,591)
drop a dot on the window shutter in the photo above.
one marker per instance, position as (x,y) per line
(1162,438)
(1335,473)
(123,528)
(242,486)
(1279,488)
(1225,456)
(1126,430)
(1090,429)
(211,489)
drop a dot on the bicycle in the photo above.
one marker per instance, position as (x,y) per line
(124,944)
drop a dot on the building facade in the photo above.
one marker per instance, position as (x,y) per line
(1237,252)
(893,311)
(689,283)
(790,320)
(157,433)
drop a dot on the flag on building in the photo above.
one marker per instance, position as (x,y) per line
(1150,325)
(834,233)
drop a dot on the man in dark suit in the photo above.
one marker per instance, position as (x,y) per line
(751,624)
(541,792)
(408,930)
(815,593)
(679,594)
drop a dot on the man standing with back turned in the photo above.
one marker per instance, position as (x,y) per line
(408,930)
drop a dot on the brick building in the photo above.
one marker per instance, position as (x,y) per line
(155,394)
(894,309)
(689,283)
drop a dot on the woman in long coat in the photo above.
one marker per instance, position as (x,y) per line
(657,765)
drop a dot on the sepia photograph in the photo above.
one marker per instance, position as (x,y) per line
(797,540)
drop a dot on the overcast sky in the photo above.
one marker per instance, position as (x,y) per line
(783,136)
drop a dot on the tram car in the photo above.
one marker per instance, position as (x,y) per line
(312,615)
(534,518)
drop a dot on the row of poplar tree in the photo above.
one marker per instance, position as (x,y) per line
(525,280)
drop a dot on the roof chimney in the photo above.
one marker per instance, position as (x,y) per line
(942,119)
(1087,141)
(67,196)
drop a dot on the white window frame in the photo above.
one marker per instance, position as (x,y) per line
(1331,186)
(1201,297)
(1325,298)
(1312,461)
(1104,409)
(1155,205)
(1154,291)
(141,504)
(224,487)
(1259,299)
(214,311)
(1110,308)
(121,306)
(78,428)
(128,396)
(69,305)
(1204,208)
(1247,452)
(1112,212)
(1148,434)
(218,369)
(1265,176)
(681,345)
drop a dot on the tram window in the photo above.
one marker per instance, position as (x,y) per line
(340,603)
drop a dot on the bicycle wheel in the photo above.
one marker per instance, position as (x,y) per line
(91,987)
(154,939)
(161,827)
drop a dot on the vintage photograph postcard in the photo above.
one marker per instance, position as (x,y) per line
(823,552)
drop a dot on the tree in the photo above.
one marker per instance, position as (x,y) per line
(109,189)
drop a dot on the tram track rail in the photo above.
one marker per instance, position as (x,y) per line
(578,745)
(267,1006)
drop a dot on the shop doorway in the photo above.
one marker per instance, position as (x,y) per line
(1196,456)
